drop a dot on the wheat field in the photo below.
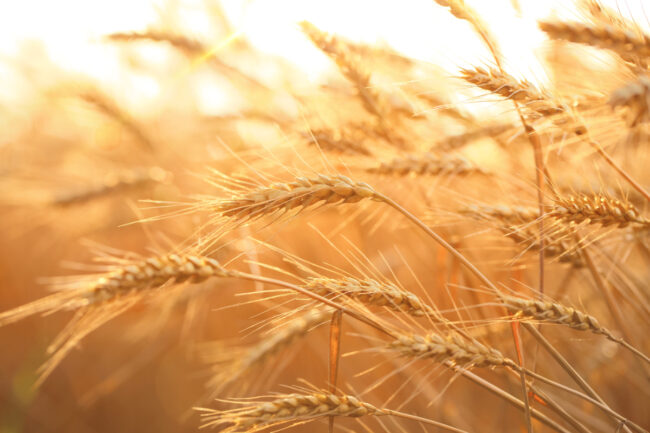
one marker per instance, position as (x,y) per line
(395,245)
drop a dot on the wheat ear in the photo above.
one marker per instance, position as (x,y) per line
(298,195)
(636,97)
(257,354)
(554,312)
(427,164)
(371,292)
(297,408)
(112,183)
(500,83)
(452,348)
(596,209)
(631,46)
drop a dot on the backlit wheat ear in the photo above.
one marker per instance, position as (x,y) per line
(636,97)
(295,196)
(502,84)
(554,312)
(631,46)
(289,408)
(136,277)
(558,244)
(457,141)
(179,41)
(111,109)
(427,164)
(350,66)
(601,14)
(596,209)
(371,292)
(255,355)
(452,348)
(503,213)
(153,273)
(460,10)
(340,141)
(112,184)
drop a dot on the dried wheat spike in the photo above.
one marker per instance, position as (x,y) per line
(558,244)
(154,272)
(460,10)
(281,337)
(553,312)
(341,141)
(298,195)
(636,97)
(146,274)
(596,209)
(371,292)
(501,212)
(452,348)
(457,141)
(601,14)
(631,46)
(427,164)
(178,41)
(509,87)
(350,66)
(111,109)
(112,183)
(289,408)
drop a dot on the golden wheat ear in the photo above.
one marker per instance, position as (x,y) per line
(64,300)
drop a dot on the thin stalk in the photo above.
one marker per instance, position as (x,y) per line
(566,365)
(509,398)
(422,420)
